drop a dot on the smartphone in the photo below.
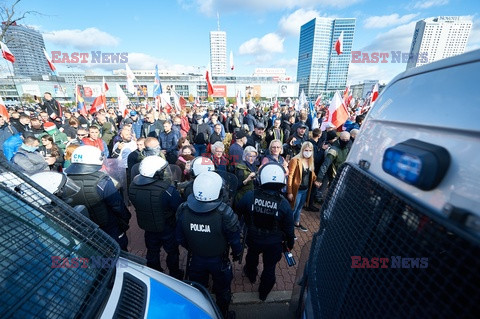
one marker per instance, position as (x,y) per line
(35,97)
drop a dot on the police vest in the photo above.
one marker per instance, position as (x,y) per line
(89,196)
(265,211)
(151,216)
(204,232)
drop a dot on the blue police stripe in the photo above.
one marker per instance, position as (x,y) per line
(167,303)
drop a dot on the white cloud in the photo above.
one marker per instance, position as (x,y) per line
(290,25)
(474,38)
(397,39)
(87,39)
(388,20)
(269,43)
(430,3)
(358,73)
(286,63)
(210,7)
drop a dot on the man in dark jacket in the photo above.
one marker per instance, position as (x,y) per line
(52,107)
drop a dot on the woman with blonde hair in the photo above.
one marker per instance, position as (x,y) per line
(301,178)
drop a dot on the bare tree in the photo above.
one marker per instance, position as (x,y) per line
(10,15)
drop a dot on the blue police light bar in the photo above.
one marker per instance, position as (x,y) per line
(417,163)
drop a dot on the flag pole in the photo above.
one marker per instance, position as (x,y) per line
(14,84)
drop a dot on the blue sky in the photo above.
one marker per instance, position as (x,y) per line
(261,33)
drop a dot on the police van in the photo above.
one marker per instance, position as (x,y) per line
(400,230)
(56,263)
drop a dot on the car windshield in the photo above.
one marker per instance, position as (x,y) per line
(53,263)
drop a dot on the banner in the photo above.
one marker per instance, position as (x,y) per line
(219,91)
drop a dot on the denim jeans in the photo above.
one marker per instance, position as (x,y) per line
(299,202)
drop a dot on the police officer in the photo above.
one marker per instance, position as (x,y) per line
(199,165)
(156,200)
(98,193)
(269,221)
(207,227)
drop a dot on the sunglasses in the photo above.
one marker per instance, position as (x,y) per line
(80,135)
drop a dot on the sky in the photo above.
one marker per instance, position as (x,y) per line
(261,33)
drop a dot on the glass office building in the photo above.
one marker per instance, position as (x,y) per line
(27,46)
(320,69)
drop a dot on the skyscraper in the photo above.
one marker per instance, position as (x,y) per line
(438,38)
(218,52)
(320,69)
(27,46)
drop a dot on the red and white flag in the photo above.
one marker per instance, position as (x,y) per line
(100,102)
(318,101)
(232,66)
(339,44)
(50,63)
(337,112)
(130,78)
(7,55)
(104,86)
(374,93)
(166,104)
(180,102)
(209,83)
(122,100)
(3,110)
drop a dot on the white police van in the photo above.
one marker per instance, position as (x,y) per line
(400,230)
(56,263)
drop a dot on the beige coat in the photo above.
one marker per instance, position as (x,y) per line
(295,169)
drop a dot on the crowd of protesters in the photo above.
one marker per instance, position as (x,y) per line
(236,140)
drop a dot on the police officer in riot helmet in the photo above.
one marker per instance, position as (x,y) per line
(199,165)
(98,193)
(156,200)
(61,186)
(269,221)
(206,226)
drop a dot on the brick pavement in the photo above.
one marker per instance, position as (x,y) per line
(285,275)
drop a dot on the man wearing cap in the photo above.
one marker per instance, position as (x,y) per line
(136,124)
(299,137)
(98,193)
(257,139)
(28,159)
(59,138)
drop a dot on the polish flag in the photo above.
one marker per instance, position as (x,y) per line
(3,110)
(50,63)
(275,105)
(339,44)
(166,104)
(337,112)
(104,86)
(209,83)
(318,101)
(180,102)
(374,93)
(232,66)
(7,55)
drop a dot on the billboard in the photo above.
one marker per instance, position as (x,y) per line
(286,90)
(219,91)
